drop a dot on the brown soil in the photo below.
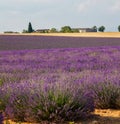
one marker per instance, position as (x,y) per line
(106,116)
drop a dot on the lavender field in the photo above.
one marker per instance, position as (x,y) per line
(64,84)
(21,42)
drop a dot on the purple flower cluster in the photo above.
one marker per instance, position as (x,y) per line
(35,102)
(59,84)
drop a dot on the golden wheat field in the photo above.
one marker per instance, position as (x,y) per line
(90,34)
(87,34)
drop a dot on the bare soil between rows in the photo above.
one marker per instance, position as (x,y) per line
(106,116)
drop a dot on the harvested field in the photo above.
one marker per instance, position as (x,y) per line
(86,34)
(19,42)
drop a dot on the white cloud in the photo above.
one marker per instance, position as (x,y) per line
(86,5)
(47,13)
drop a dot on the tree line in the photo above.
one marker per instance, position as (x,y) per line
(64,29)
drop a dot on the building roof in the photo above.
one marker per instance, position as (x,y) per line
(82,28)
(42,29)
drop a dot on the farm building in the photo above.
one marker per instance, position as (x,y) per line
(82,30)
(42,30)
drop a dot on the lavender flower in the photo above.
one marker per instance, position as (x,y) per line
(59,84)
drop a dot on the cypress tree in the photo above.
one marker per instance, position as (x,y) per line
(30,28)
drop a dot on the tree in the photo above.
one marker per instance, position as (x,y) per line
(75,30)
(66,29)
(101,29)
(30,30)
(53,30)
(25,31)
(94,28)
(119,28)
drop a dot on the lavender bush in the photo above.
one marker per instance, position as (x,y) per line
(58,84)
(5,93)
(106,95)
(36,102)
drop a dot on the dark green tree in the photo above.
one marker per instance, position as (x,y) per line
(66,29)
(75,30)
(53,30)
(30,30)
(101,29)
(94,28)
(119,28)
(25,31)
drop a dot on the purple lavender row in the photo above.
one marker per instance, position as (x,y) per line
(19,42)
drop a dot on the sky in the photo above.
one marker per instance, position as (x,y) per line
(43,14)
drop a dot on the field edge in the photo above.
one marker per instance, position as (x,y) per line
(87,34)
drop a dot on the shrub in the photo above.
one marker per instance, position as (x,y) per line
(61,106)
(106,95)
(5,92)
(18,101)
(35,102)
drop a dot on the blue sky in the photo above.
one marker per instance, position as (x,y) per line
(16,14)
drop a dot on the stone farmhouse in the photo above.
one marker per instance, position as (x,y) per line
(82,30)
(42,31)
